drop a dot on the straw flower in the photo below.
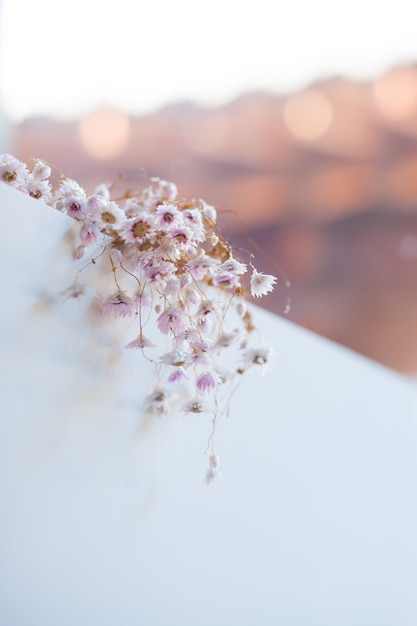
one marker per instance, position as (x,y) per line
(161,261)
(261,284)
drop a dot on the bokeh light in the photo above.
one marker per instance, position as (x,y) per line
(308,115)
(105,133)
(395,93)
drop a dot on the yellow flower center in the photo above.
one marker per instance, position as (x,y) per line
(140,229)
(9,177)
(109,218)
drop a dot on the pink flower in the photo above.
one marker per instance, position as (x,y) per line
(75,207)
(89,233)
(137,229)
(167,216)
(227,280)
(173,320)
(143,298)
(261,284)
(178,375)
(208,380)
(201,265)
(156,269)
(194,221)
(181,236)
(96,204)
(119,305)
(140,343)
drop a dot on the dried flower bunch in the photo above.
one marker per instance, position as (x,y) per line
(172,273)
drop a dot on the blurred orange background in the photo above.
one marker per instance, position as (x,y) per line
(321,183)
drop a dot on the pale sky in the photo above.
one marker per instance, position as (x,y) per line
(64,59)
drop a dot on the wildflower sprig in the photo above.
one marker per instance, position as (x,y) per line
(174,275)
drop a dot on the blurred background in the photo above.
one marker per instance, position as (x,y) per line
(298,122)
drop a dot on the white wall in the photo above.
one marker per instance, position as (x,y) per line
(105,518)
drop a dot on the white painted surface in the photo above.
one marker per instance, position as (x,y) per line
(105,518)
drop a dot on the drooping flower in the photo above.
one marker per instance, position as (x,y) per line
(89,233)
(175,358)
(213,472)
(75,207)
(173,270)
(173,319)
(260,357)
(177,375)
(261,284)
(227,280)
(208,380)
(156,403)
(140,343)
(231,265)
(119,305)
(196,406)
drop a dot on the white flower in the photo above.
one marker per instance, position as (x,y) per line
(41,171)
(156,403)
(208,211)
(140,343)
(39,189)
(196,406)
(119,305)
(167,189)
(194,221)
(213,472)
(70,188)
(111,216)
(102,190)
(137,229)
(261,284)
(12,171)
(260,357)
(176,358)
(172,273)
(231,265)
(167,217)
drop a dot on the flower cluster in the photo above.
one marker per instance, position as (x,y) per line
(172,273)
